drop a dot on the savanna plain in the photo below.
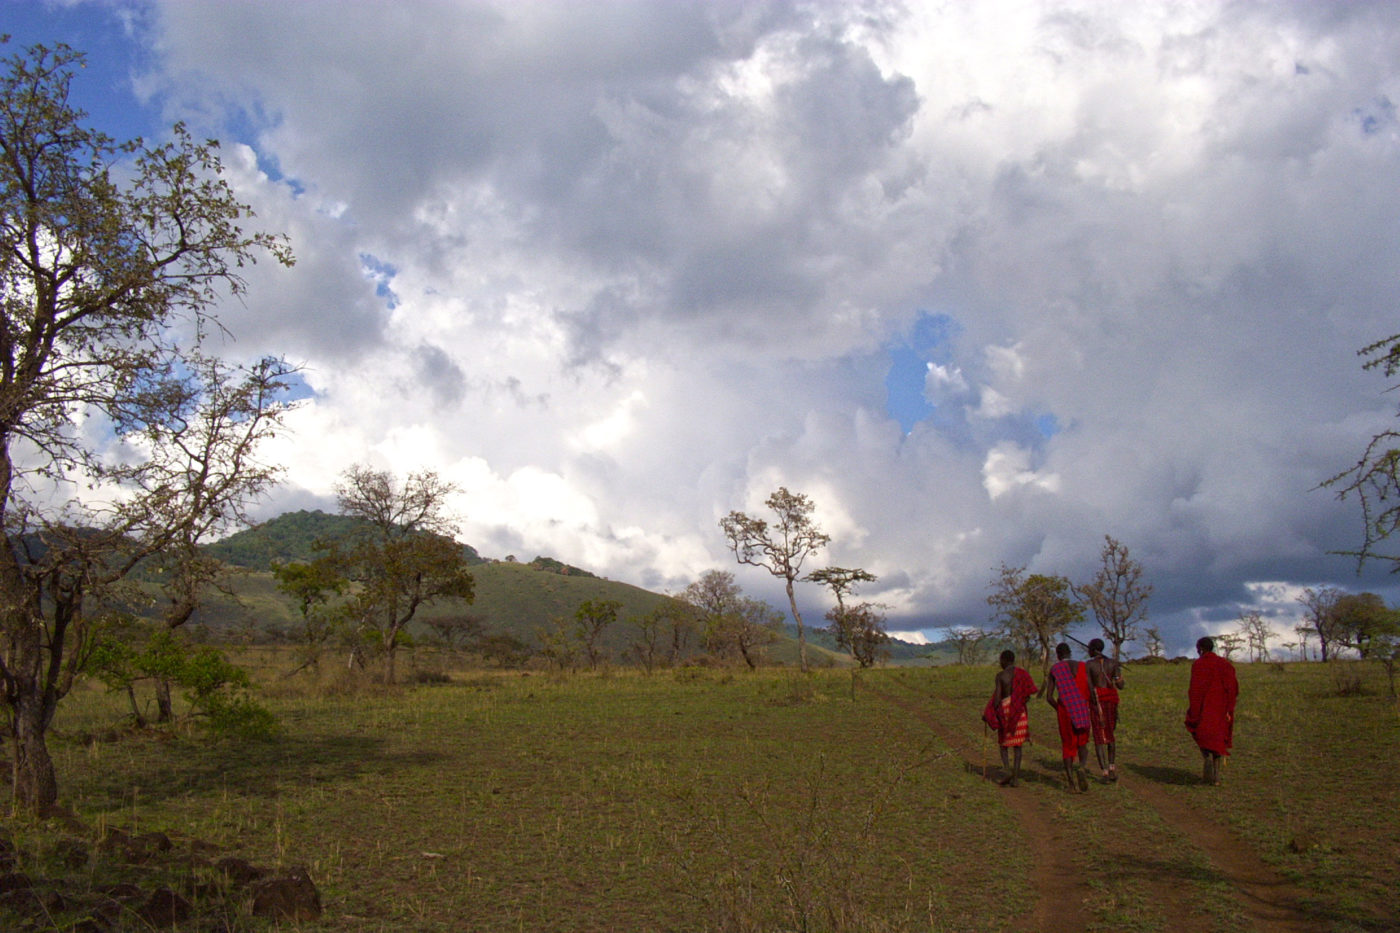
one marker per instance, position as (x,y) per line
(712,799)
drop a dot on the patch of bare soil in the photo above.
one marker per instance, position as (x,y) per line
(1061,889)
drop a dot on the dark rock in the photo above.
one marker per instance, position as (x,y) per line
(125,891)
(71,853)
(292,896)
(164,908)
(239,871)
(15,881)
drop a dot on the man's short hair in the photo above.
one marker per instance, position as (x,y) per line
(1096,644)
(1062,650)
(1008,657)
(1205,643)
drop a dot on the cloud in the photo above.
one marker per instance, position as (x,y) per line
(617,270)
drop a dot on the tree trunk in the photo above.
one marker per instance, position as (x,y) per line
(389,654)
(165,711)
(801,632)
(36,785)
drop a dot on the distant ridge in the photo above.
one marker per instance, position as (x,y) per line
(292,536)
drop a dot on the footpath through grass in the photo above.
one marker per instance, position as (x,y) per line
(710,800)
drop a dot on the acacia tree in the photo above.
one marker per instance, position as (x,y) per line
(312,586)
(112,257)
(1375,478)
(1156,648)
(970,642)
(1359,616)
(781,548)
(733,625)
(1257,633)
(860,629)
(1229,643)
(1320,616)
(404,556)
(592,618)
(1117,596)
(1032,611)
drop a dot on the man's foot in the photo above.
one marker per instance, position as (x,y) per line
(1083,780)
(1009,782)
(1208,771)
(1215,771)
(1113,775)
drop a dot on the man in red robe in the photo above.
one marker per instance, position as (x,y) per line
(1210,715)
(1105,679)
(1067,690)
(1007,713)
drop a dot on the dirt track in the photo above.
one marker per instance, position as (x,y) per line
(1266,900)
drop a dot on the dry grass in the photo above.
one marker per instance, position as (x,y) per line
(720,800)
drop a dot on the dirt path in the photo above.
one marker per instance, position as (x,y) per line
(1060,888)
(1269,900)
(1266,899)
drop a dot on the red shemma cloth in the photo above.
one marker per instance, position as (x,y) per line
(1011,719)
(1210,717)
(1072,706)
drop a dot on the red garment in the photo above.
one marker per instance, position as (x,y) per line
(1210,717)
(1006,719)
(1104,717)
(1073,735)
(1016,729)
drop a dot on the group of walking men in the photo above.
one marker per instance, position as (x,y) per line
(1084,696)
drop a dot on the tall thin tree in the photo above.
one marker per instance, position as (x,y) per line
(780,548)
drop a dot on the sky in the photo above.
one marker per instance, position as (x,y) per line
(987,282)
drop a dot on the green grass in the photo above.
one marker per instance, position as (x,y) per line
(719,800)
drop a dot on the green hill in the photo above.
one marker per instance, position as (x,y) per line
(292,536)
(515,599)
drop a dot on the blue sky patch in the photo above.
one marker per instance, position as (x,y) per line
(910,355)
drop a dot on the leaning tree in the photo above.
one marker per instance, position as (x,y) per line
(123,441)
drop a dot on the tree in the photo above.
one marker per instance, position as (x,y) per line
(1304,632)
(311,586)
(1156,648)
(592,618)
(745,632)
(1032,612)
(121,440)
(662,634)
(780,550)
(1357,617)
(1117,595)
(1229,643)
(734,625)
(860,629)
(1320,615)
(970,642)
(456,630)
(403,557)
(1256,633)
(1375,478)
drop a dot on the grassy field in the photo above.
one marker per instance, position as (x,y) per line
(718,800)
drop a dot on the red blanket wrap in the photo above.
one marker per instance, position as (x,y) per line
(1012,719)
(1210,715)
(1104,719)
(1072,706)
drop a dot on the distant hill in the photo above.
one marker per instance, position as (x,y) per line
(512,598)
(292,536)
